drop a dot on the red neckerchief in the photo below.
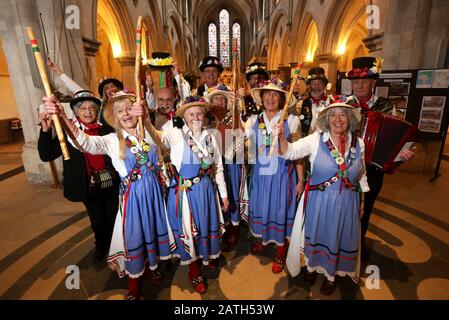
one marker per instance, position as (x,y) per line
(169,115)
(93,162)
(363,103)
(317,101)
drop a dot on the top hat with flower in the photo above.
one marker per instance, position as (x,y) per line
(365,68)
(316,73)
(256,68)
(103,82)
(211,61)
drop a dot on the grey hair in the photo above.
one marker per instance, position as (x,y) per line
(323,121)
(87,102)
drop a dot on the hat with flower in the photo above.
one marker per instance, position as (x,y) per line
(274,84)
(103,82)
(219,90)
(317,73)
(365,68)
(256,68)
(108,110)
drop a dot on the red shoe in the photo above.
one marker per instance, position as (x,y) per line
(233,236)
(256,248)
(199,285)
(212,265)
(278,265)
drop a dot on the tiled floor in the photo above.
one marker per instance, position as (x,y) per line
(42,236)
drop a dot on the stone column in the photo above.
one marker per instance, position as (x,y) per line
(127,64)
(329,62)
(90,49)
(15,16)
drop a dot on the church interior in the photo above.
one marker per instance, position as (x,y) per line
(43,235)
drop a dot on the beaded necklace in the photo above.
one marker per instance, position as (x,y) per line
(206,161)
(266,136)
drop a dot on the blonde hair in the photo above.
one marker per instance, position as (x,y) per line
(118,127)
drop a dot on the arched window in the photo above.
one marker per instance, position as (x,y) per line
(213,40)
(220,45)
(225,49)
(236,35)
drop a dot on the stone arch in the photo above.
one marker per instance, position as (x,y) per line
(307,40)
(176,39)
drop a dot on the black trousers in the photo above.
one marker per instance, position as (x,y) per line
(102,206)
(375,180)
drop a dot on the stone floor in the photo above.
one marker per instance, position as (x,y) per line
(42,235)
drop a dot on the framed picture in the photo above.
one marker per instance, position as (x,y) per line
(432,109)
(400,102)
(382,92)
(399,88)
(425,79)
(441,79)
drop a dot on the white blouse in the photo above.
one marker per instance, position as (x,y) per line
(309,145)
(174,139)
(109,145)
(293,123)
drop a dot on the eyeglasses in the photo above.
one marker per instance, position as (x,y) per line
(88,109)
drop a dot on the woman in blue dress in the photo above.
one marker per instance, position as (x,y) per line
(141,234)
(327,225)
(274,181)
(194,209)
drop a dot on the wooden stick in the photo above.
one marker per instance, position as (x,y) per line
(44,77)
(54,174)
(137,70)
(285,109)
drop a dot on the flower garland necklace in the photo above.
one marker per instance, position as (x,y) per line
(206,161)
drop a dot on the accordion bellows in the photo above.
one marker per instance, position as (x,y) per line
(384,136)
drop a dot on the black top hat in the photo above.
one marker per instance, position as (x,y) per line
(257,68)
(160,60)
(316,73)
(211,61)
(84,95)
(107,80)
(364,68)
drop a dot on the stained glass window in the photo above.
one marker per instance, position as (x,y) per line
(236,35)
(225,49)
(213,40)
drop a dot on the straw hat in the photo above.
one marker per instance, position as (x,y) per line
(322,116)
(108,110)
(274,84)
(191,102)
(219,90)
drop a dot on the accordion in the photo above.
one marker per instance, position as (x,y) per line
(384,136)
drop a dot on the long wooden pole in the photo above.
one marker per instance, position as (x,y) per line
(54,174)
(285,109)
(44,77)
(137,70)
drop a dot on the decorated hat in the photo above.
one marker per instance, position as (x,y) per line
(256,68)
(365,68)
(219,90)
(211,61)
(274,84)
(84,95)
(355,111)
(108,110)
(107,80)
(160,60)
(317,73)
(192,101)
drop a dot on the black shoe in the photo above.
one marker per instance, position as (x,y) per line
(99,254)
(328,287)
(310,278)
